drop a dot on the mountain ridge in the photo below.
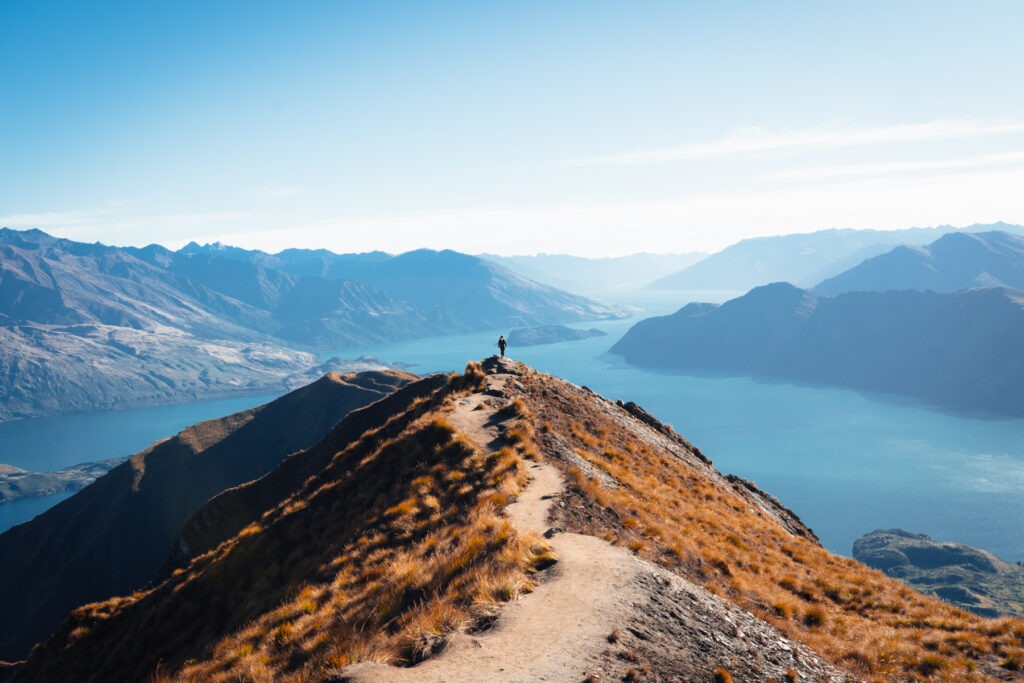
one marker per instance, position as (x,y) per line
(958,351)
(804,259)
(953,262)
(407,548)
(114,535)
(89,326)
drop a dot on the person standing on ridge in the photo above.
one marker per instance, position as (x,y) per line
(502,344)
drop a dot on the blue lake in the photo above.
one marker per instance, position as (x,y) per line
(845,462)
(52,443)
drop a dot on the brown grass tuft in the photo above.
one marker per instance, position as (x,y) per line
(672,509)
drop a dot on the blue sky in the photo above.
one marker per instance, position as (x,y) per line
(595,128)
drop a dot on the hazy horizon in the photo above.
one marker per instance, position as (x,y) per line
(483,254)
(594,129)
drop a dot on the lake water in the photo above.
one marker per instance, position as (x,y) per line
(846,463)
(53,443)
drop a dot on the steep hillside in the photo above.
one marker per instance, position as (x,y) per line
(953,262)
(963,350)
(227,513)
(405,548)
(969,578)
(113,536)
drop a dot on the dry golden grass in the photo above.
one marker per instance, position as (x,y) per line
(680,514)
(397,544)
(443,559)
(400,542)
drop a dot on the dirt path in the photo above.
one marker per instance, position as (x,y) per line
(556,633)
(599,612)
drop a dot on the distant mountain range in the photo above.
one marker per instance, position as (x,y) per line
(450,291)
(953,262)
(115,535)
(88,326)
(597,276)
(803,259)
(962,350)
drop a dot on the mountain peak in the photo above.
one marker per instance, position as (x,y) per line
(955,261)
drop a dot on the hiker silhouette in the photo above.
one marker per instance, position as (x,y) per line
(502,344)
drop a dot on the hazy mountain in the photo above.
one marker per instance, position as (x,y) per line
(954,261)
(804,259)
(113,536)
(971,579)
(305,262)
(625,556)
(961,350)
(86,326)
(455,292)
(549,334)
(596,276)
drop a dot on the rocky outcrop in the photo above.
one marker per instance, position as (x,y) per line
(967,577)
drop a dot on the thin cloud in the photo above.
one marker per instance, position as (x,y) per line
(898,167)
(289,192)
(705,222)
(759,140)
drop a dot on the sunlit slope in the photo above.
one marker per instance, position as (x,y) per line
(401,546)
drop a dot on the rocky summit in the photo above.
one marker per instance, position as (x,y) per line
(506,525)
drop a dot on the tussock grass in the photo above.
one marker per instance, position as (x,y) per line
(678,512)
(397,544)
